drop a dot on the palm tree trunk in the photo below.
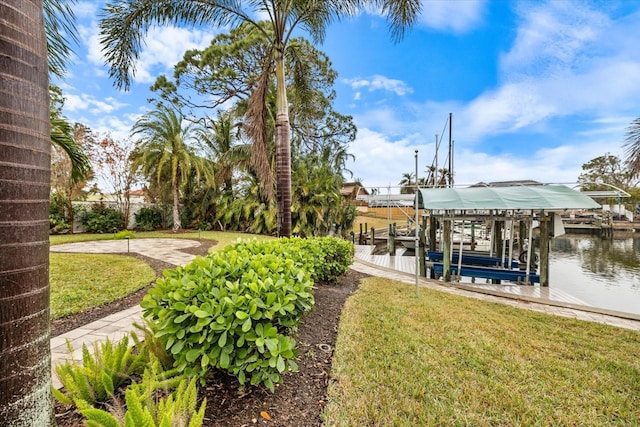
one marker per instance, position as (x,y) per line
(283,150)
(25,356)
(176,203)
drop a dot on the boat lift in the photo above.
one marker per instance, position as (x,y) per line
(500,205)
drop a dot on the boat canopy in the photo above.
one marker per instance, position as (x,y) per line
(536,197)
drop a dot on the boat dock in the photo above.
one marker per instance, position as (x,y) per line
(407,264)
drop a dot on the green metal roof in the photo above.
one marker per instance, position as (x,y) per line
(516,197)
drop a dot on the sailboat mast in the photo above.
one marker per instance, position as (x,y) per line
(450,150)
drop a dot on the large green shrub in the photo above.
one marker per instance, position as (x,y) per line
(101,219)
(148,218)
(336,256)
(234,310)
(325,258)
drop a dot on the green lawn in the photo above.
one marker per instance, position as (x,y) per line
(441,359)
(80,282)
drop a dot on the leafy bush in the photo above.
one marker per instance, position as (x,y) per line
(148,218)
(57,225)
(233,310)
(325,258)
(336,256)
(99,374)
(101,219)
(58,215)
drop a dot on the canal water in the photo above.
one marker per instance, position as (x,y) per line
(602,272)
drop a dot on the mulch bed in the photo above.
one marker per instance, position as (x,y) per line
(298,401)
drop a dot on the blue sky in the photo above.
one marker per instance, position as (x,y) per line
(536,89)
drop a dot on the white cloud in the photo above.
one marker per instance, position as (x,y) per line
(85,9)
(380,83)
(88,103)
(507,109)
(553,37)
(379,161)
(456,16)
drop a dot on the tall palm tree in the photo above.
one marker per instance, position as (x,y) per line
(25,367)
(632,146)
(126,21)
(165,148)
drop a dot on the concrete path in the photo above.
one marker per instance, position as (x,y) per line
(167,250)
(119,324)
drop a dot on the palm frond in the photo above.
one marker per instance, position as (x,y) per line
(632,147)
(124,23)
(59,22)
(401,14)
(256,130)
(62,136)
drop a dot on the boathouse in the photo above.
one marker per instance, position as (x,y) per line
(511,210)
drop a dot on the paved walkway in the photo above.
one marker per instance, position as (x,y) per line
(167,250)
(119,324)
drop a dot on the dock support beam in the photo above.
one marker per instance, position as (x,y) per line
(433,225)
(422,256)
(391,240)
(446,250)
(544,249)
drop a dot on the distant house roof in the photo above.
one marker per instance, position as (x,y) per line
(507,183)
(353,189)
(548,197)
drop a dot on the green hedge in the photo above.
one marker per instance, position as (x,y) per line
(237,309)
(326,258)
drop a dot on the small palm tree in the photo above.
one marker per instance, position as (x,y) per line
(221,137)
(407,183)
(165,150)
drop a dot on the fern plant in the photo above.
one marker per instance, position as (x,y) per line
(150,346)
(144,408)
(97,377)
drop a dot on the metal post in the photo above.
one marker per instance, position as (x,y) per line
(417,242)
(529,251)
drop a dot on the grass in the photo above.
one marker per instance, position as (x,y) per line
(82,281)
(441,359)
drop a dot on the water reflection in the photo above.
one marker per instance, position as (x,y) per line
(601,272)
